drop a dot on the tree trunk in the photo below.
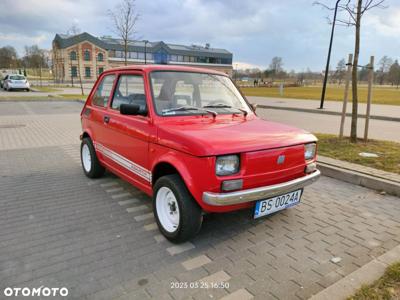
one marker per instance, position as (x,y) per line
(126,51)
(354,114)
(79,70)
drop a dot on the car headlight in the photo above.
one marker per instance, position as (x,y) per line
(227,165)
(309,151)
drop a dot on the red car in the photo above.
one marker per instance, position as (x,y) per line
(188,138)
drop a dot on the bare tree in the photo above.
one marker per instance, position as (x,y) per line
(340,70)
(34,59)
(384,66)
(394,74)
(354,10)
(125,17)
(8,57)
(276,67)
(74,30)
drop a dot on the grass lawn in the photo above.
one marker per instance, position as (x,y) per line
(381,95)
(386,287)
(389,152)
(73,96)
(45,89)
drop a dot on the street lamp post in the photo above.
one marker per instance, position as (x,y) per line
(145,51)
(329,58)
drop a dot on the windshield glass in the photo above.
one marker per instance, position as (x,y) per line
(183,93)
(17,77)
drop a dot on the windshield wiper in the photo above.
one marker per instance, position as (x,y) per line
(188,107)
(226,106)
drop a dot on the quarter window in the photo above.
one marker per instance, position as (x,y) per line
(129,90)
(103,91)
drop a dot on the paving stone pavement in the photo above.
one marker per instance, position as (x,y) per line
(98,238)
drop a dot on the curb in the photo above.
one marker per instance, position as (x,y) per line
(372,182)
(367,274)
(327,112)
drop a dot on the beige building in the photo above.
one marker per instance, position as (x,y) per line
(92,56)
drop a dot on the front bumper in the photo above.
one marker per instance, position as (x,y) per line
(260,193)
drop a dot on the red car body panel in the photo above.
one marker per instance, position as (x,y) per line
(191,143)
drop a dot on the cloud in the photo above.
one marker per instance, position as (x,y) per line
(253,30)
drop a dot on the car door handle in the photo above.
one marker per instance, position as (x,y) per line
(106,119)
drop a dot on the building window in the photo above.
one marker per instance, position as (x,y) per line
(74,71)
(86,55)
(87,72)
(72,55)
(100,57)
(186,58)
(173,58)
(141,55)
(119,54)
(101,70)
(192,59)
(180,58)
(149,56)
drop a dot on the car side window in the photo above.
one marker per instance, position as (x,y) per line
(103,91)
(129,90)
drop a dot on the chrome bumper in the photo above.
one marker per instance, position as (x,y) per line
(260,193)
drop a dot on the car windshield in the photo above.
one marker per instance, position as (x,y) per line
(17,77)
(184,93)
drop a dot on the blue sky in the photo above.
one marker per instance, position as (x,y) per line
(253,30)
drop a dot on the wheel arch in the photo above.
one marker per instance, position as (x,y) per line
(172,165)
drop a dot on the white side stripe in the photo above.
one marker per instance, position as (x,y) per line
(124,162)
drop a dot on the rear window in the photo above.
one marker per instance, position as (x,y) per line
(17,77)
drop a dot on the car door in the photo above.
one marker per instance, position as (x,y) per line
(94,114)
(128,136)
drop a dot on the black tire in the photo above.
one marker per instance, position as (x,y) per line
(96,169)
(190,212)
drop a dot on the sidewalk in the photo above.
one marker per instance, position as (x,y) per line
(378,111)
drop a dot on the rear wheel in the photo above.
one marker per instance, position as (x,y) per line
(178,215)
(90,163)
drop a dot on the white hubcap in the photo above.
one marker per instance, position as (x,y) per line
(86,158)
(167,209)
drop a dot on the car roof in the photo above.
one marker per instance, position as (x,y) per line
(150,68)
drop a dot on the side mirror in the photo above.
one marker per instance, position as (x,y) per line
(132,109)
(254,106)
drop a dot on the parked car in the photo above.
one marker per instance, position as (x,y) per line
(189,138)
(16,82)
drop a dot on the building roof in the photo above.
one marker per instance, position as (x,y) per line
(108,43)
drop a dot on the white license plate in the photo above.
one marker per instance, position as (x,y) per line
(271,205)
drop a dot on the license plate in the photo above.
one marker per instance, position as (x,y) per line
(271,205)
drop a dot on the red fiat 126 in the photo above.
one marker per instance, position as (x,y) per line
(188,138)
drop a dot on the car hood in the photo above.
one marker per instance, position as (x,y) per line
(207,137)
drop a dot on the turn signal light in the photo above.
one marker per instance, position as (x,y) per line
(231,185)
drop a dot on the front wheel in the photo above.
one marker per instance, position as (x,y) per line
(178,215)
(90,163)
